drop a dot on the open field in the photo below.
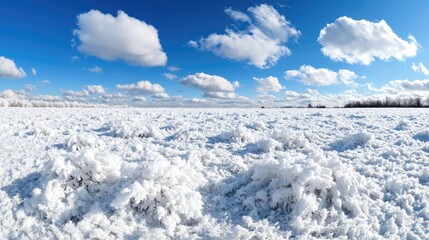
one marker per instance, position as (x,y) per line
(214,173)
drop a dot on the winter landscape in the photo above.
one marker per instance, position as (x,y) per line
(247,120)
(214,173)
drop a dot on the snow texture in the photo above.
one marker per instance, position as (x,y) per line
(214,173)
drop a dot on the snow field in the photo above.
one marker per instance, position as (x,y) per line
(214,173)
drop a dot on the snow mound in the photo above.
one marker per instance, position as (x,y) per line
(308,194)
(402,125)
(422,136)
(290,140)
(79,141)
(73,183)
(132,129)
(165,193)
(237,135)
(258,126)
(264,146)
(159,193)
(352,141)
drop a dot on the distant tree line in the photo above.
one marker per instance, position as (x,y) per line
(388,102)
(317,106)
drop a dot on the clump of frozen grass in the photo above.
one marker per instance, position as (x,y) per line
(264,146)
(305,192)
(259,126)
(237,135)
(132,129)
(161,193)
(73,183)
(80,141)
(165,194)
(422,136)
(289,140)
(352,141)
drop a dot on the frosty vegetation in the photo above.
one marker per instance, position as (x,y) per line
(214,174)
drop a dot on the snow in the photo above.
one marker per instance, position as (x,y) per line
(214,173)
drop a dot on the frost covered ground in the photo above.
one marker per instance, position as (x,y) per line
(214,173)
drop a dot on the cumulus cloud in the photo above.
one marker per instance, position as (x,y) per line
(313,97)
(221,95)
(193,44)
(142,87)
(121,37)
(361,41)
(95,89)
(95,69)
(173,68)
(399,89)
(9,70)
(113,96)
(261,44)
(90,89)
(196,100)
(420,68)
(33,71)
(169,76)
(162,95)
(30,87)
(322,76)
(209,83)
(75,58)
(237,15)
(80,94)
(312,91)
(268,84)
(411,86)
(45,81)
(47,98)
(213,86)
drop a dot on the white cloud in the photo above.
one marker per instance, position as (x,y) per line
(348,77)
(95,89)
(312,91)
(169,76)
(75,58)
(142,87)
(273,23)
(261,44)
(95,69)
(33,71)
(420,68)
(237,15)
(173,68)
(72,94)
(209,83)
(9,70)
(221,95)
(121,37)
(322,76)
(30,87)
(313,97)
(362,41)
(47,98)
(162,95)
(193,44)
(45,81)
(268,84)
(139,99)
(411,86)
(290,93)
(197,100)
(90,89)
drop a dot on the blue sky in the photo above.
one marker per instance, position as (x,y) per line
(43,36)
